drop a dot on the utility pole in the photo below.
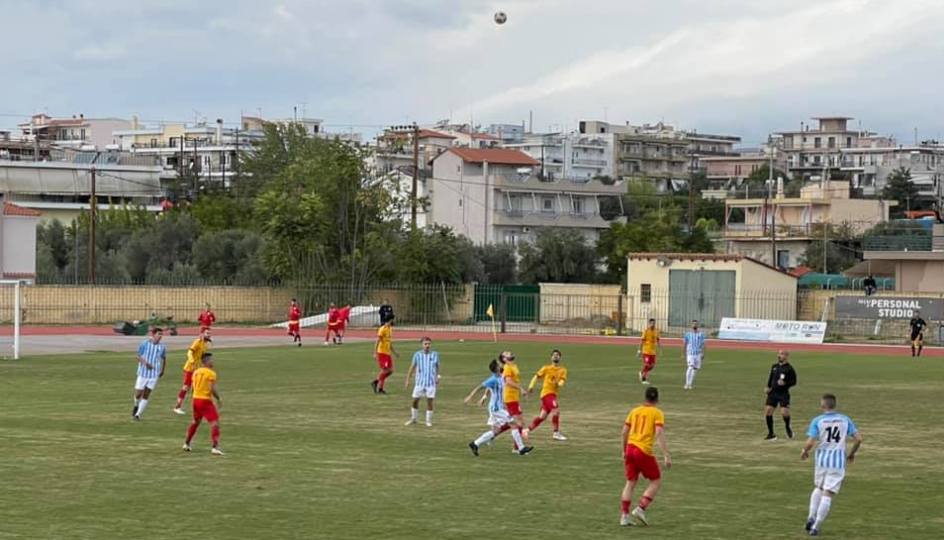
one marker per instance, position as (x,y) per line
(825,230)
(691,195)
(92,218)
(773,209)
(416,174)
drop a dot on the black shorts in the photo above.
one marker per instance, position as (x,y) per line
(917,337)
(775,399)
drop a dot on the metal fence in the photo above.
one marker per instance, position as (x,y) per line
(515,309)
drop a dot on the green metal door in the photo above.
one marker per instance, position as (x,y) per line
(521,302)
(706,295)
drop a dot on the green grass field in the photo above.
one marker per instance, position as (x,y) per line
(312,453)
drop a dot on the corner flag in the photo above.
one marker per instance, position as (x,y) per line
(491,314)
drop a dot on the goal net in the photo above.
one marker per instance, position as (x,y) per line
(11,317)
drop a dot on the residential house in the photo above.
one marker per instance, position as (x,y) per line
(571,156)
(78,132)
(871,167)
(507,133)
(495,195)
(754,227)
(816,151)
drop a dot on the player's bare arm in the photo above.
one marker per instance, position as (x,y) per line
(394,350)
(409,374)
(471,395)
(810,442)
(664,446)
(856,443)
(144,362)
(377,346)
(624,438)
(531,385)
(219,400)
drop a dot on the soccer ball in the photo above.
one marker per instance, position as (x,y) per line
(500,17)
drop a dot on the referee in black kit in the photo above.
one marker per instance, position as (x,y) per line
(782,378)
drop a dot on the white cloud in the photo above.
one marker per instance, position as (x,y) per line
(101,53)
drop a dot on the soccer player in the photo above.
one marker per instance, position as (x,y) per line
(344,317)
(194,354)
(644,425)
(554,376)
(294,322)
(498,417)
(917,333)
(782,377)
(694,342)
(152,356)
(384,353)
(204,390)
(828,432)
(647,349)
(511,385)
(425,366)
(206,319)
(333,324)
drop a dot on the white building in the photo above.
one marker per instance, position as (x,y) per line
(507,133)
(77,133)
(570,156)
(494,195)
(871,167)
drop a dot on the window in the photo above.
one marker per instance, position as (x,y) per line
(82,134)
(645,293)
(783,258)
(153,143)
(547,204)
(831,142)
(848,142)
(817,142)
(578,205)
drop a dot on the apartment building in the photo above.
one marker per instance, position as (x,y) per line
(571,156)
(792,222)
(870,167)
(816,151)
(495,195)
(77,132)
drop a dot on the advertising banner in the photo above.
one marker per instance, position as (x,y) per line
(888,307)
(772,331)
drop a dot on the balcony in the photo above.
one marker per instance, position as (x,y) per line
(749,231)
(588,162)
(553,218)
(554,183)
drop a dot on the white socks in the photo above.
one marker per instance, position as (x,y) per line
(690,376)
(141,405)
(413,414)
(516,435)
(823,511)
(815,498)
(429,417)
(484,438)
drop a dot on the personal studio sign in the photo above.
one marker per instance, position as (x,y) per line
(888,307)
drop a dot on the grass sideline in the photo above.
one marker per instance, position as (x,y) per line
(312,453)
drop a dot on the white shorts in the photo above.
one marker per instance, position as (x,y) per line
(694,360)
(498,418)
(829,479)
(424,392)
(145,382)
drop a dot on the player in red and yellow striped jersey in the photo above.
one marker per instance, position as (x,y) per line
(194,353)
(554,376)
(648,344)
(204,390)
(645,426)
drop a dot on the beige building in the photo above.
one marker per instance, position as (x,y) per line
(77,133)
(794,221)
(494,195)
(674,288)
(914,271)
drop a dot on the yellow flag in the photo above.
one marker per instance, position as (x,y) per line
(490,312)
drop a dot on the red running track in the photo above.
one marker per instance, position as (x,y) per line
(872,349)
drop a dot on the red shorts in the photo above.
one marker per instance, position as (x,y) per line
(334,326)
(649,360)
(293,327)
(205,409)
(549,402)
(384,361)
(514,408)
(636,461)
(188,378)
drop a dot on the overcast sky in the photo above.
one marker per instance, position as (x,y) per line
(732,66)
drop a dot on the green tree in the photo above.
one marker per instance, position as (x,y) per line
(557,256)
(836,246)
(757,181)
(230,256)
(899,187)
(500,262)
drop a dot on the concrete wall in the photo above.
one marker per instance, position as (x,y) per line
(458,197)
(921,276)
(562,302)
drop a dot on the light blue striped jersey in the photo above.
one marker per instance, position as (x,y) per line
(154,354)
(694,343)
(427,367)
(496,387)
(832,429)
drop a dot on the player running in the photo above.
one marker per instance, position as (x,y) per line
(828,432)
(152,359)
(554,376)
(206,319)
(644,425)
(782,377)
(917,325)
(384,353)
(648,343)
(294,322)
(511,393)
(498,417)
(425,365)
(694,345)
(204,390)
(333,325)
(194,354)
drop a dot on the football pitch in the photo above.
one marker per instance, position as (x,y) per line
(311,452)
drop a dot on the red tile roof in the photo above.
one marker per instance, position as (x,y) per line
(500,156)
(485,136)
(429,133)
(10,209)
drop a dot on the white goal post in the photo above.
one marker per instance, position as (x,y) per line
(17,312)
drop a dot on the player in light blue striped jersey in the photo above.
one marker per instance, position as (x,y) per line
(425,366)
(694,345)
(828,432)
(152,359)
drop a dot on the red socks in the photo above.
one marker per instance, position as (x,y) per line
(645,502)
(535,423)
(624,506)
(191,431)
(381,378)
(215,435)
(556,421)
